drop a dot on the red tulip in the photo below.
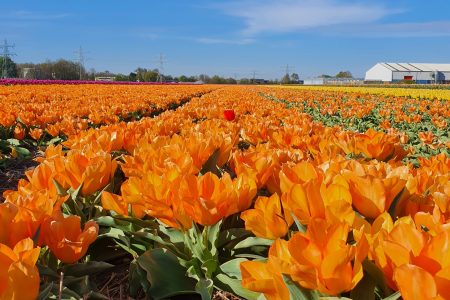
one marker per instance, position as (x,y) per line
(229,114)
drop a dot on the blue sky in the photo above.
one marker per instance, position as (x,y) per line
(230,38)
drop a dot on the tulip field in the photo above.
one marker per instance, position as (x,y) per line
(224,192)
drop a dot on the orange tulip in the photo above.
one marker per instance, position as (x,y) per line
(266,278)
(19,131)
(94,169)
(245,187)
(426,137)
(114,202)
(208,198)
(260,164)
(259,277)
(7,213)
(33,207)
(406,253)
(19,277)
(322,259)
(65,239)
(372,195)
(36,133)
(157,196)
(307,194)
(416,283)
(267,219)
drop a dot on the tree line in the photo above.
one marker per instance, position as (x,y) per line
(68,70)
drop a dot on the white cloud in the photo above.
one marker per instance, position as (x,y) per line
(37,16)
(293,15)
(149,36)
(205,40)
(399,30)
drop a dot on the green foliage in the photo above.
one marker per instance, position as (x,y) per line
(11,68)
(344,74)
(165,275)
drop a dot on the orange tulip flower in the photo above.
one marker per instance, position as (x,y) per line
(208,198)
(426,137)
(8,211)
(307,194)
(372,195)
(322,259)
(260,164)
(157,196)
(116,203)
(268,219)
(94,169)
(33,207)
(65,239)
(245,187)
(36,133)
(19,277)
(416,283)
(19,131)
(267,277)
(406,253)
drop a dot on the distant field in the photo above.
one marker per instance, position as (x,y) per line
(414,92)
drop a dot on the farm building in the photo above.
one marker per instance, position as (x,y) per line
(332,81)
(420,73)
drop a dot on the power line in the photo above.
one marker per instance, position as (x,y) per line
(254,73)
(161,62)
(6,55)
(81,60)
(288,69)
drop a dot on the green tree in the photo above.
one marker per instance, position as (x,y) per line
(295,78)
(67,70)
(150,76)
(344,74)
(121,77)
(132,76)
(325,76)
(8,68)
(230,81)
(286,79)
(204,78)
(216,79)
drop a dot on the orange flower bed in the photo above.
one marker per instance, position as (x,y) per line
(243,189)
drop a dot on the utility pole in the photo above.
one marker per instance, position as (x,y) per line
(6,55)
(287,70)
(161,62)
(80,59)
(253,74)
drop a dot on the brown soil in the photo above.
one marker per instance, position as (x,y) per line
(11,171)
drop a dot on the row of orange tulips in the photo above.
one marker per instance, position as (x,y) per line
(68,109)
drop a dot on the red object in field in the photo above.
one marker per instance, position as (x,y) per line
(229,114)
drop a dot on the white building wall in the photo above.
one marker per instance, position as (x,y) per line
(421,76)
(379,73)
(313,81)
(415,75)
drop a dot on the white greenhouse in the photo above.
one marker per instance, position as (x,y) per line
(418,72)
